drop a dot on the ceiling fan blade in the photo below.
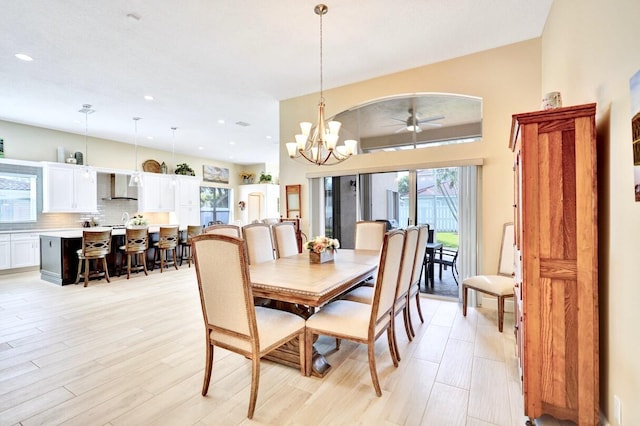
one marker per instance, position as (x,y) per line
(401,129)
(429,119)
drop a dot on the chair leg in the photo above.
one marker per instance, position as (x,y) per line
(128,265)
(143,255)
(372,366)
(408,321)
(79,271)
(337,344)
(86,271)
(465,290)
(500,312)
(419,307)
(163,253)
(255,382)
(393,345)
(106,269)
(175,260)
(207,368)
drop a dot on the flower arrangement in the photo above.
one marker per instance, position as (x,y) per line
(322,244)
(137,220)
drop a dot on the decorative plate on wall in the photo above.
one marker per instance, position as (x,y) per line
(151,166)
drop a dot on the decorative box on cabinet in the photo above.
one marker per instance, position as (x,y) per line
(555,215)
(69,189)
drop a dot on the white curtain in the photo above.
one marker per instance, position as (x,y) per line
(468,229)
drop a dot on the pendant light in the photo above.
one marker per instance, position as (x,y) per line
(173,156)
(86,110)
(136,177)
(321,147)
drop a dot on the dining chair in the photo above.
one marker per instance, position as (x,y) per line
(135,246)
(365,294)
(167,244)
(224,229)
(231,320)
(185,244)
(448,258)
(369,234)
(257,237)
(500,285)
(96,245)
(416,276)
(284,238)
(362,322)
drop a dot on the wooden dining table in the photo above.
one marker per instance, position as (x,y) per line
(295,284)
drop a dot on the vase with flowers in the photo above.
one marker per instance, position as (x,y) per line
(137,221)
(247,177)
(321,249)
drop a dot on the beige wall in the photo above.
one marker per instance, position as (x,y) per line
(590,51)
(507,79)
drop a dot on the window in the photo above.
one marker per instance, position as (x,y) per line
(18,197)
(214,205)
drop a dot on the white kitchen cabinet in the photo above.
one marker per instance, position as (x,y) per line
(5,251)
(69,189)
(188,200)
(157,193)
(25,250)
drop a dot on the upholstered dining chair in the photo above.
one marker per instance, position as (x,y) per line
(500,285)
(136,243)
(284,238)
(416,276)
(369,234)
(230,318)
(224,229)
(257,237)
(365,294)
(362,322)
(185,244)
(96,245)
(167,244)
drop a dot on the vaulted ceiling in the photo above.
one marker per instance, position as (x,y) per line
(217,69)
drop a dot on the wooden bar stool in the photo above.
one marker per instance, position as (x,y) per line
(95,245)
(167,242)
(136,245)
(185,245)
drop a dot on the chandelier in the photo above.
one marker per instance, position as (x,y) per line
(321,146)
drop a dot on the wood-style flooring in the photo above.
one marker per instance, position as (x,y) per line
(131,352)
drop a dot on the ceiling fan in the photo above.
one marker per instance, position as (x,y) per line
(413,123)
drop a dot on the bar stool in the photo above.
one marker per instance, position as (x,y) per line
(136,245)
(95,245)
(185,245)
(167,242)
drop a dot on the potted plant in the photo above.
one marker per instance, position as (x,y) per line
(184,169)
(137,221)
(265,177)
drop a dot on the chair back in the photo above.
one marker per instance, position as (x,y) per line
(257,237)
(228,230)
(384,294)
(136,239)
(408,261)
(193,230)
(421,249)
(96,243)
(168,237)
(225,290)
(369,235)
(507,255)
(284,237)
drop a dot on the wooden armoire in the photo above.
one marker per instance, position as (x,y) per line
(556,278)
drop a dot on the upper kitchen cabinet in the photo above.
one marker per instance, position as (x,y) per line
(157,193)
(69,189)
(188,200)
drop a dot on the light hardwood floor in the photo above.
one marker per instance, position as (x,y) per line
(132,353)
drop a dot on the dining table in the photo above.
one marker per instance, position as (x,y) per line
(297,285)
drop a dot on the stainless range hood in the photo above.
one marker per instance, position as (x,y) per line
(120,189)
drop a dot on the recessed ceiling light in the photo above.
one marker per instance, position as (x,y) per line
(24,57)
(201,148)
(148,97)
(269,138)
(150,138)
(221,121)
(232,143)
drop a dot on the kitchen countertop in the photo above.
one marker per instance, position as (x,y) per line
(77,233)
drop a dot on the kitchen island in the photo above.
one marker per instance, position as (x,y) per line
(59,258)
